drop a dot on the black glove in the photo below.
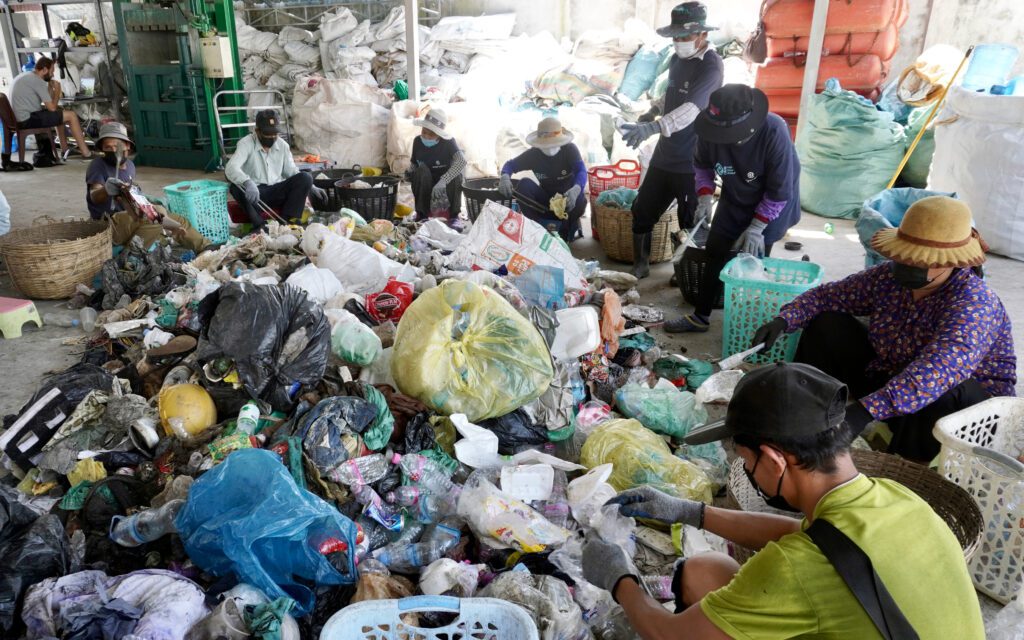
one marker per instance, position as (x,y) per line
(858,417)
(769,333)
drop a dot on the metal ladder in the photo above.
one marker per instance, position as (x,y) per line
(280,105)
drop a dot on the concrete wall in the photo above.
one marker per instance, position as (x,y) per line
(962,23)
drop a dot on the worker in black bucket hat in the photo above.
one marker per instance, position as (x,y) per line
(694,72)
(751,152)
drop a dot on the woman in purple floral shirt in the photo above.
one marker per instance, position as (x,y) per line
(937,340)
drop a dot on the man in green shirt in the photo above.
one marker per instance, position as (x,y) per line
(787,423)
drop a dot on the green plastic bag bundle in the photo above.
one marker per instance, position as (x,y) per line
(849,152)
(694,371)
(461,348)
(353,341)
(670,412)
(618,198)
(915,173)
(638,457)
(641,71)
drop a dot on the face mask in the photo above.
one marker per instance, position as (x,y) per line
(429,143)
(911,277)
(266,142)
(552,152)
(686,49)
(778,501)
(110,157)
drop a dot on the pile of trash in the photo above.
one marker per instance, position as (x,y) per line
(264,433)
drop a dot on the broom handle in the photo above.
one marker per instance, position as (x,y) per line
(931,114)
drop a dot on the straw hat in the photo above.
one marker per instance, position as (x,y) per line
(935,233)
(549,134)
(435,120)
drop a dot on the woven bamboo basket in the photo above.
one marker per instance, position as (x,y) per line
(47,260)
(615,233)
(952,503)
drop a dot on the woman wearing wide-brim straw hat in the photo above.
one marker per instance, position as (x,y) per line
(937,339)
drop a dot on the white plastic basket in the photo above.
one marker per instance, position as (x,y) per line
(479,618)
(980,446)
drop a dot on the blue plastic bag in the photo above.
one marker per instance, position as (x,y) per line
(543,286)
(885,210)
(248,517)
(641,72)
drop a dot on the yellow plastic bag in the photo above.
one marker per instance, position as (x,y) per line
(461,348)
(639,457)
(87,469)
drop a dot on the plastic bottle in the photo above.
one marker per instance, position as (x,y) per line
(389,516)
(145,526)
(360,471)
(248,418)
(424,472)
(407,558)
(87,316)
(660,587)
(556,508)
(426,507)
(61,320)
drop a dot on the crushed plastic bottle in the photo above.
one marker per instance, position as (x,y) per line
(425,472)
(375,508)
(360,471)
(426,507)
(145,526)
(409,558)
(61,320)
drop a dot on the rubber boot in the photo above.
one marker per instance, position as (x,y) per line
(641,255)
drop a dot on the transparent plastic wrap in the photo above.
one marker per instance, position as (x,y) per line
(639,457)
(461,348)
(495,514)
(669,412)
(548,601)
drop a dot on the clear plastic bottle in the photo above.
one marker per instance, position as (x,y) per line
(248,418)
(425,472)
(409,558)
(426,507)
(61,320)
(360,471)
(389,516)
(145,526)
(87,316)
(556,508)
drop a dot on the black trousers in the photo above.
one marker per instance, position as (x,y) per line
(837,343)
(422,186)
(656,194)
(288,197)
(566,228)
(717,253)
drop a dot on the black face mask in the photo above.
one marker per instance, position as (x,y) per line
(267,142)
(110,157)
(778,501)
(911,277)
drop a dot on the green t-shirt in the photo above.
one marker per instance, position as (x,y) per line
(790,590)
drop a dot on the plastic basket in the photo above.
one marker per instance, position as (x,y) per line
(749,304)
(690,273)
(374,203)
(980,445)
(479,190)
(624,173)
(332,177)
(204,203)
(484,618)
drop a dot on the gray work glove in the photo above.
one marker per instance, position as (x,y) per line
(703,207)
(571,196)
(252,192)
(505,185)
(605,564)
(318,193)
(635,134)
(114,186)
(752,240)
(439,198)
(647,502)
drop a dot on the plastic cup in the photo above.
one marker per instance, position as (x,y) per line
(88,317)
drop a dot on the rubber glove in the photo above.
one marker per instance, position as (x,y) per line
(571,196)
(703,210)
(318,193)
(114,186)
(648,502)
(505,185)
(769,333)
(252,192)
(752,240)
(439,198)
(605,564)
(635,134)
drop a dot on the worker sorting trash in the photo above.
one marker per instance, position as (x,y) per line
(689,322)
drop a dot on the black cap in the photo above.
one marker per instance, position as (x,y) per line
(784,400)
(735,112)
(268,122)
(687,18)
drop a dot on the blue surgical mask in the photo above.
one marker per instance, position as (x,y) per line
(429,143)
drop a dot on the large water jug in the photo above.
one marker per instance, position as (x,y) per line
(990,65)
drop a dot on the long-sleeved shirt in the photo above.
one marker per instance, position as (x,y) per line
(263,166)
(556,174)
(928,346)
(692,80)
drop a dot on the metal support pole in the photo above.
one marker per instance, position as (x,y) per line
(814,46)
(115,96)
(10,41)
(412,47)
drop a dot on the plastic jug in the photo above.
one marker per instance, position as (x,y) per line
(990,65)
(578,332)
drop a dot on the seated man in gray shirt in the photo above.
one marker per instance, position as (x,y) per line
(35,98)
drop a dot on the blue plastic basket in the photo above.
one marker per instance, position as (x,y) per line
(204,203)
(484,618)
(749,304)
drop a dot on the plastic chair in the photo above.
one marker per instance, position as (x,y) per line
(11,127)
(14,313)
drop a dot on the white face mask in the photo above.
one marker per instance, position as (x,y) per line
(686,49)
(553,151)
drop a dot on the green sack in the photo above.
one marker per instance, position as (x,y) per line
(915,174)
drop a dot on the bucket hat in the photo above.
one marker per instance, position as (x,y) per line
(114,130)
(549,133)
(687,18)
(735,112)
(435,120)
(935,233)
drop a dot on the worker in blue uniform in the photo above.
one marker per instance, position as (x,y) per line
(437,168)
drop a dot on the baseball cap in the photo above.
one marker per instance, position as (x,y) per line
(784,400)
(267,122)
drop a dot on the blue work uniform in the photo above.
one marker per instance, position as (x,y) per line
(556,174)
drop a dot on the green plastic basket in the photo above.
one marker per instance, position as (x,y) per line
(750,303)
(204,203)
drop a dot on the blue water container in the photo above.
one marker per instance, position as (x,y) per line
(990,65)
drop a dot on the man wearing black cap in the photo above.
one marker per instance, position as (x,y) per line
(262,170)
(751,152)
(787,424)
(695,71)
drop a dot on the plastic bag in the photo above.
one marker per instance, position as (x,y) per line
(1008,623)
(711,458)
(515,430)
(588,493)
(278,339)
(691,373)
(331,430)
(319,284)
(497,515)
(641,457)
(618,198)
(247,517)
(353,341)
(885,210)
(547,599)
(542,286)
(462,348)
(445,577)
(719,387)
(377,435)
(391,302)
(670,412)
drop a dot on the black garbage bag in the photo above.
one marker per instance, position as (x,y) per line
(419,434)
(330,430)
(43,415)
(278,339)
(515,430)
(32,548)
(139,272)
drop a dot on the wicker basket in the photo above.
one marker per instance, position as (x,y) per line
(955,506)
(615,233)
(46,261)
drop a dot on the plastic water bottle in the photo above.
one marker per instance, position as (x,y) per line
(360,471)
(556,508)
(409,558)
(145,526)
(248,418)
(425,472)
(389,516)
(427,507)
(87,316)
(60,320)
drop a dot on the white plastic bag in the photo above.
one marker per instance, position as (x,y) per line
(344,120)
(439,235)
(1008,623)
(295,34)
(359,268)
(588,493)
(719,387)
(335,25)
(319,284)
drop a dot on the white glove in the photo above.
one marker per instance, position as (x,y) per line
(752,240)
(505,185)
(252,192)
(571,196)
(114,186)
(703,207)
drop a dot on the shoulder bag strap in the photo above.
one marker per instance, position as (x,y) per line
(856,570)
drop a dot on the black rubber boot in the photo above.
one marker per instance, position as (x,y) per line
(641,255)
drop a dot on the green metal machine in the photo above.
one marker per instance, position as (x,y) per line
(176,57)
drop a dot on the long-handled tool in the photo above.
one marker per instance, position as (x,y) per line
(529,201)
(270,212)
(928,120)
